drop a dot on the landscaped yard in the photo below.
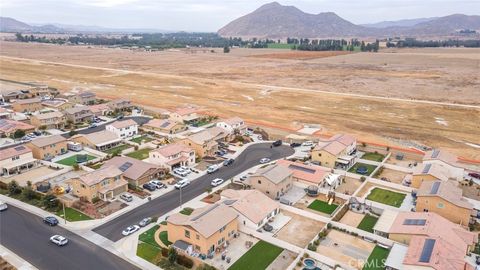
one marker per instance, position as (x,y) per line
(72,214)
(117,149)
(258,257)
(376,259)
(367,223)
(141,138)
(148,252)
(370,168)
(186,211)
(388,197)
(70,161)
(323,207)
(164,238)
(140,154)
(149,236)
(373,157)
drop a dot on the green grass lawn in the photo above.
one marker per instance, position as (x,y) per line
(70,161)
(367,223)
(148,252)
(140,154)
(280,46)
(149,236)
(323,207)
(261,255)
(164,238)
(119,148)
(370,168)
(388,197)
(373,157)
(186,211)
(376,259)
(72,214)
(141,138)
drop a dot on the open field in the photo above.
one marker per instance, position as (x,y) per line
(399,94)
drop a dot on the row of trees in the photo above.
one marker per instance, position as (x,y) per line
(414,43)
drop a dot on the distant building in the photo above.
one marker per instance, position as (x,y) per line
(83,97)
(123,129)
(447,160)
(57,103)
(10,90)
(101,140)
(104,183)
(164,126)
(336,152)
(173,155)
(79,114)
(8,127)
(429,172)
(205,143)
(54,119)
(307,174)
(27,105)
(185,115)
(15,160)
(100,109)
(135,171)
(274,181)
(48,147)
(120,104)
(234,125)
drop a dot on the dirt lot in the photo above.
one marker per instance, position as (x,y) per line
(349,187)
(283,92)
(472,192)
(392,175)
(352,219)
(299,230)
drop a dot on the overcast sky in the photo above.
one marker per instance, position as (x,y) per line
(210,15)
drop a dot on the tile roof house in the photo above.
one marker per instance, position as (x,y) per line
(337,151)
(307,174)
(447,160)
(100,140)
(255,209)
(104,183)
(82,97)
(15,160)
(172,155)
(48,147)
(53,119)
(57,103)
(165,126)
(123,129)
(185,114)
(233,125)
(100,109)
(8,127)
(79,114)
(120,104)
(429,172)
(204,230)
(27,105)
(445,199)
(274,181)
(135,171)
(205,142)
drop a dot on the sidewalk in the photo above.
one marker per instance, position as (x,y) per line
(15,260)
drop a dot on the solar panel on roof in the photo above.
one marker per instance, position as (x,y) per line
(300,168)
(427,250)
(435,187)
(414,222)
(407,222)
(125,166)
(19,148)
(435,153)
(426,169)
(421,222)
(165,124)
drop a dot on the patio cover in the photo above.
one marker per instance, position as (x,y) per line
(385,221)
(19,162)
(396,256)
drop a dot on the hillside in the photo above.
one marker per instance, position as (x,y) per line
(12,25)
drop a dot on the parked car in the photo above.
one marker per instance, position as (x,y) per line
(158,184)
(59,240)
(228,162)
(216,182)
(221,152)
(3,206)
(180,171)
(130,230)
(293,145)
(212,169)
(149,187)
(267,227)
(474,175)
(277,143)
(186,169)
(93,125)
(37,133)
(126,197)
(243,177)
(144,222)
(307,143)
(264,160)
(52,221)
(120,117)
(182,183)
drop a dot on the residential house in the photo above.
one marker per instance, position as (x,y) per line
(274,181)
(205,231)
(429,172)
(172,155)
(83,97)
(123,129)
(120,104)
(255,209)
(445,199)
(336,152)
(48,147)
(60,104)
(79,114)
(104,183)
(5,113)
(100,109)
(135,171)
(433,242)
(12,90)
(187,115)
(8,127)
(306,174)
(164,126)
(447,160)
(205,143)
(49,120)
(15,160)
(27,105)
(234,125)
(100,140)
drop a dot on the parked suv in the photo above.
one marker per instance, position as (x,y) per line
(126,197)
(182,183)
(212,169)
(52,221)
(149,187)
(158,184)
(277,143)
(228,162)
(216,182)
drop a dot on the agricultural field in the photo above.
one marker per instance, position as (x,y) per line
(383,97)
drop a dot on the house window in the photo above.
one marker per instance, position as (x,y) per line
(187,233)
(223,228)
(197,236)
(221,241)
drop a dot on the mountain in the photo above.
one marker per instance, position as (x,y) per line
(401,23)
(276,21)
(12,25)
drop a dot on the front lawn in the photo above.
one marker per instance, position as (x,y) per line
(323,207)
(140,154)
(72,214)
(141,138)
(149,236)
(70,161)
(367,223)
(186,211)
(370,168)
(259,257)
(148,252)
(117,149)
(387,197)
(376,259)
(164,238)
(373,157)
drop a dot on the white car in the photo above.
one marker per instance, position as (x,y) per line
(180,171)
(182,183)
(3,206)
(158,184)
(212,168)
(264,160)
(59,240)
(130,230)
(126,197)
(307,143)
(186,169)
(243,177)
(217,182)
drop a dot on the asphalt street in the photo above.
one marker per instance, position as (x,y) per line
(26,235)
(157,207)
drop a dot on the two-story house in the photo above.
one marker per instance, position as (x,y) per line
(274,181)
(136,172)
(49,120)
(234,125)
(79,114)
(104,183)
(447,160)
(8,127)
(48,147)
(336,152)
(165,126)
(120,104)
(123,129)
(27,105)
(15,160)
(83,97)
(205,143)
(172,155)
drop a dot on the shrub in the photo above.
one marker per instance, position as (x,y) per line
(329,225)
(72,133)
(163,222)
(154,219)
(14,188)
(136,147)
(95,200)
(50,201)
(363,178)
(172,255)
(205,266)
(312,247)
(185,261)
(164,252)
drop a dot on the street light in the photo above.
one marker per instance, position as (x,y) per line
(63,205)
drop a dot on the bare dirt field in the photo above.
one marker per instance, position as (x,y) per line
(299,230)
(349,187)
(352,219)
(392,175)
(400,94)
